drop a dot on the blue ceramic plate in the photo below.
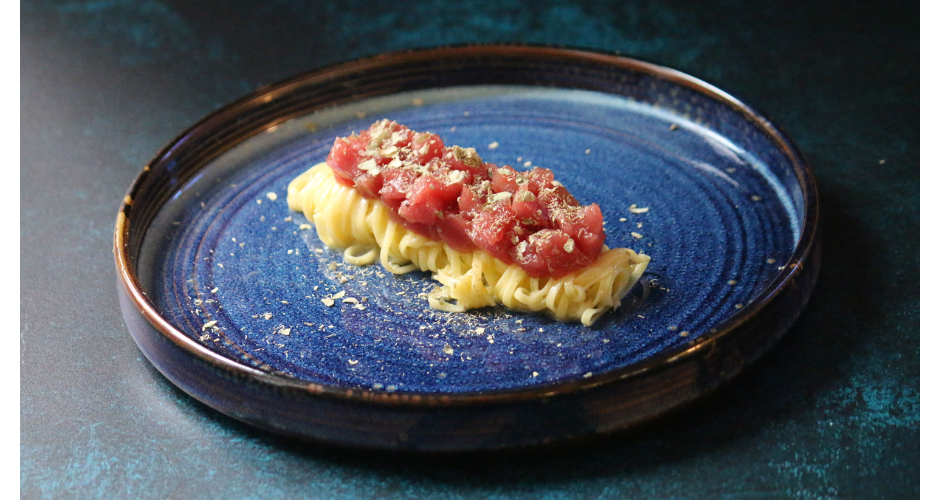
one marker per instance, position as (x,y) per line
(224,286)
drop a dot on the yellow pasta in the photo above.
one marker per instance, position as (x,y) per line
(363,230)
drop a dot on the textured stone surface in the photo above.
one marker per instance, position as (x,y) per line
(832,411)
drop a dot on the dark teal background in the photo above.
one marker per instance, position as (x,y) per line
(831,412)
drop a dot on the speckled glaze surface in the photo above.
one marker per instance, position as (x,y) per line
(229,281)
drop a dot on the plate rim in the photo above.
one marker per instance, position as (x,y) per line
(800,259)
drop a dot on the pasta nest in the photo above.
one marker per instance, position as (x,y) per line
(364,231)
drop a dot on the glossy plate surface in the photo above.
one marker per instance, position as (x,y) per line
(682,172)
